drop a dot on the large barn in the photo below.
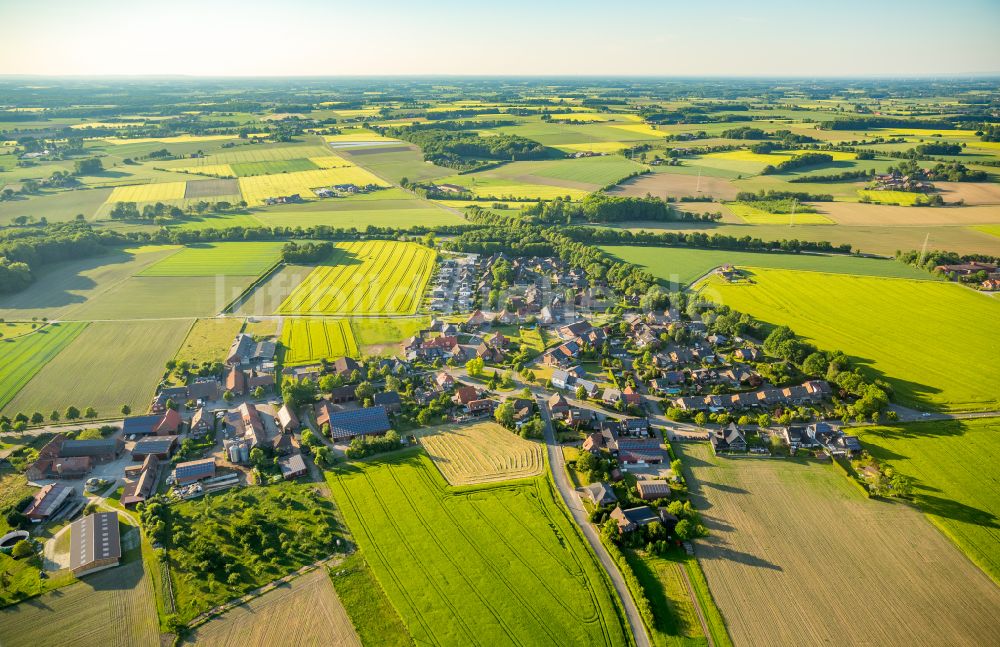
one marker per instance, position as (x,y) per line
(94,543)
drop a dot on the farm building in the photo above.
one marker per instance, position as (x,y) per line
(168,422)
(649,490)
(205,389)
(287,419)
(95,543)
(633,518)
(344,366)
(346,425)
(62,458)
(292,466)
(159,446)
(601,494)
(390,400)
(640,451)
(191,471)
(141,481)
(202,422)
(160,400)
(49,500)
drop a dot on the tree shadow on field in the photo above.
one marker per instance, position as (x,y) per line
(55,284)
(731,489)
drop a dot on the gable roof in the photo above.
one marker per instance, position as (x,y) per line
(359,422)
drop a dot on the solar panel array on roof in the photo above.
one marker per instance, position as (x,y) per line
(359,422)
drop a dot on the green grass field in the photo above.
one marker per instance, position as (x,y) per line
(372,277)
(55,207)
(209,340)
(246,169)
(955,465)
(218,259)
(107,365)
(25,356)
(683,265)
(487,565)
(385,333)
(163,297)
(992,230)
(756,216)
(311,340)
(594,171)
(933,341)
(371,613)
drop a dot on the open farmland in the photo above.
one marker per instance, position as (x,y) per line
(396,162)
(920,335)
(955,466)
(258,188)
(755,216)
(587,172)
(277,615)
(861,214)
(254,154)
(372,277)
(209,340)
(107,365)
(211,259)
(249,169)
(683,265)
(25,356)
(311,340)
(797,555)
(160,192)
(482,452)
(667,184)
(482,566)
(114,608)
(61,287)
(211,189)
(163,297)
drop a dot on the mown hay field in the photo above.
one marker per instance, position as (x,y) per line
(683,265)
(792,540)
(482,452)
(307,609)
(23,357)
(209,340)
(163,297)
(258,188)
(158,192)
(211,259)
(365,278)
(107,365)
(934,341)
(955,466)
(311,340)
(115,608)
(595,172)
(494,565)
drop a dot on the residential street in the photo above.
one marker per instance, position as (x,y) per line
(569,495)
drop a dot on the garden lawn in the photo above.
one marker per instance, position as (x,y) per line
(218,259)
(955,467)
(24,357)
(683,265)
(107,365)
(934,341)
(494,565)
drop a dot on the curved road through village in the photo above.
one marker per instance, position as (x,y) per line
(569,495)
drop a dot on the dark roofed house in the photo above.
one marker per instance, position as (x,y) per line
(202,422)
(292,466)
(558,405)
(143,483)
(344,366)
(140,425)
(482,407)
(94,543)
(287,419)
(205,388)
(640,451)
(728,439)
(282,444)
(390,400)
(159,446)
(601,494)
(346,425)
(101,450)
(241,351)
(192,471)
(633,518)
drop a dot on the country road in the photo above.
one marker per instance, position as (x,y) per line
(572,501)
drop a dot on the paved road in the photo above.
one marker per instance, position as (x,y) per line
(576,508)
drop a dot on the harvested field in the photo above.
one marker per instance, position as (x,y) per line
(314,339)
(879,321)
(491,565)
(163,297)
(668,184)
(163,191)
(218,259)
(276,616)
(792,540)
(482,452)
(107,365)
(971,192)
(25,356)
(373,277)
(113,608)
(211,188)
(860,214)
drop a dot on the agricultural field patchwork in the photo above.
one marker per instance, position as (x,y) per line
(257,189)
(482,452)
(222,259)
(490,565)
(889,574)
(159,192)
(927,330)
(310,340)
(365,278)
(755,216)
(107,365)
(954,467)
(248,169)
(25,356)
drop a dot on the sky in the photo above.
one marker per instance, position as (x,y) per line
(512,37)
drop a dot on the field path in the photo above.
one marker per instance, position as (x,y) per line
(697,607)
(580,517)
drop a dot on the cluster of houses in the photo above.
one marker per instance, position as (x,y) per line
(441,341)
(575,338)
(294,198)
(342,190)
(971,268)
(819,435)
(454,285)
(896,181)
(811,392)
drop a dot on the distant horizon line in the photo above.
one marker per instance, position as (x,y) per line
(436,75)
